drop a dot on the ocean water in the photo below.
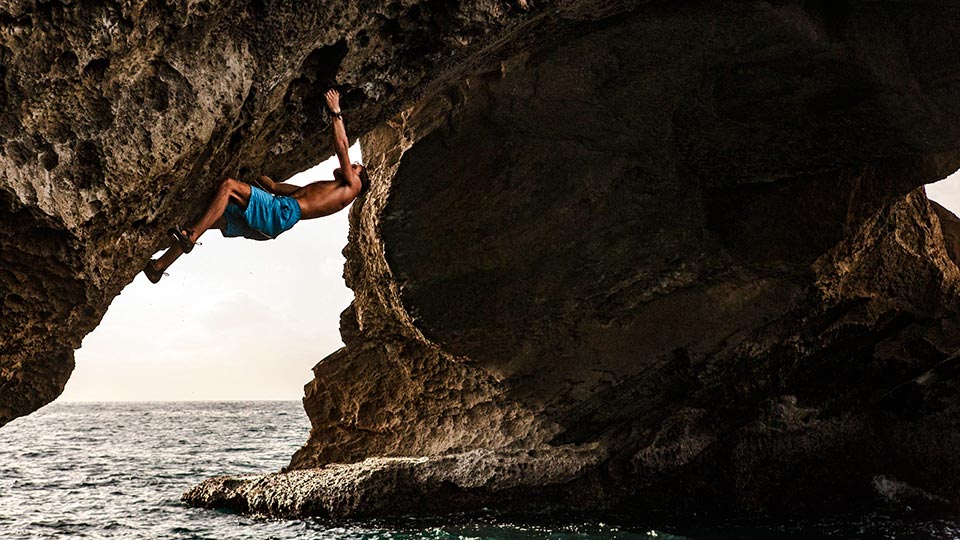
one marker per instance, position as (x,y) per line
(117,470)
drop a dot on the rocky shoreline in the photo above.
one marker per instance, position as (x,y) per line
(528,480)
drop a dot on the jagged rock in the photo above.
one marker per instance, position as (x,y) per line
(684,240)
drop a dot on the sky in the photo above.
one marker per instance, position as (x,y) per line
(947,192)
(236,319)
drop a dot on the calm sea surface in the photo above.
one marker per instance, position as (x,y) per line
(117,470)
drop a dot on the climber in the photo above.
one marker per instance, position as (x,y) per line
(262,213)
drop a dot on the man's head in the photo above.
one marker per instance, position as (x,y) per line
(364,179)
(361,172)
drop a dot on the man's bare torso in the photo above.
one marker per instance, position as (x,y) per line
(321,198)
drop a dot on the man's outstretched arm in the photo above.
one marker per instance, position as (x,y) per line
(340,142)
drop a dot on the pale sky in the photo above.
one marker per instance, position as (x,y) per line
(947,192)
(236,319)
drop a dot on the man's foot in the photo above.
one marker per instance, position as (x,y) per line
(152,272)
(183,239)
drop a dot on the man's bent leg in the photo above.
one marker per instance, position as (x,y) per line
(230,190)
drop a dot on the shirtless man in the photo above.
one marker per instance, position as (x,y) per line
(240,209)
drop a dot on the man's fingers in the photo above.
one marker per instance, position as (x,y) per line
(333,98)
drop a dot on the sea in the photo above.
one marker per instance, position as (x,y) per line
(117,470)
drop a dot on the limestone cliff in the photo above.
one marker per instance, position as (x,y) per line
(616,256)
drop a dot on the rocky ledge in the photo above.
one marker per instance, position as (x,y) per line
(617,256)
(531,480)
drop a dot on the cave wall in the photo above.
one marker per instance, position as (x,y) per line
(689,237)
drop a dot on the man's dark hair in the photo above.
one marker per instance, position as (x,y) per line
(364,180)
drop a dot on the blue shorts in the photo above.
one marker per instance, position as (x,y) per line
(265,218)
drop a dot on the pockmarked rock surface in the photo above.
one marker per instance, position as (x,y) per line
(617,256)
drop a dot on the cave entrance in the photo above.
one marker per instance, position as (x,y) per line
(945,200)
(234,320)
(946,192)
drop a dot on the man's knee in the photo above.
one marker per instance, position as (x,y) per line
(229,185)
(235,190)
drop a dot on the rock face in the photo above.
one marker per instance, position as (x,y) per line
(616,256)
